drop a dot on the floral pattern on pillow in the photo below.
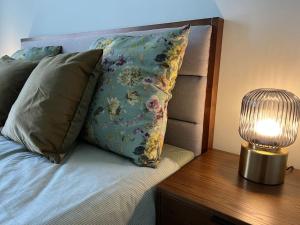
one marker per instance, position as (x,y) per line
(128,114)
(37,53)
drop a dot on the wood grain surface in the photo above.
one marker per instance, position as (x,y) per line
(211,183)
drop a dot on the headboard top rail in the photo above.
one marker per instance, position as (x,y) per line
(206,21)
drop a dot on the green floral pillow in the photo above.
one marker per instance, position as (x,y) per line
(37,53)
(128,114)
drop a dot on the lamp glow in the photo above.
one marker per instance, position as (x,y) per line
(269,118)
(267,127)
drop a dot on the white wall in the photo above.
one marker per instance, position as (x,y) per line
(260,46)
(19,18)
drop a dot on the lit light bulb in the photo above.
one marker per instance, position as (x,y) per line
(267,127)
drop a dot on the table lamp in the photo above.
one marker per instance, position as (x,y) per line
(269,123)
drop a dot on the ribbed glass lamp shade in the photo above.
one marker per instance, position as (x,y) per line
(269,118)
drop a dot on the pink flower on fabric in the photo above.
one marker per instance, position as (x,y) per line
(153,104)
(121,60)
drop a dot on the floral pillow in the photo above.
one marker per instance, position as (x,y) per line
(37,53)
(128,114)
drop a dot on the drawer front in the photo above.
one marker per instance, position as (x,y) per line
(174,211)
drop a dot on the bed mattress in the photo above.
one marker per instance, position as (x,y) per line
(91,187)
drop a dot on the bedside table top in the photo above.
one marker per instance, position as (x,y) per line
(211,180)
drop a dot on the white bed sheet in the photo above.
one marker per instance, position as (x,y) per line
(92,187)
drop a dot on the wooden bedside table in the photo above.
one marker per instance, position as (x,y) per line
(209,190)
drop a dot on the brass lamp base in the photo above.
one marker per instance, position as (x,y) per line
(263,166)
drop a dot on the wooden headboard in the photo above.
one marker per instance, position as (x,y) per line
(181,131)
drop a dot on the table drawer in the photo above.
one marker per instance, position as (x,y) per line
(175,211)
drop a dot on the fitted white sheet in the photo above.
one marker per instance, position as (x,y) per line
(92,187)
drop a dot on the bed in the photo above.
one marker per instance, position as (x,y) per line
(98,187)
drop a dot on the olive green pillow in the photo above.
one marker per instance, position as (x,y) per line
(13,75)
(51,108)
